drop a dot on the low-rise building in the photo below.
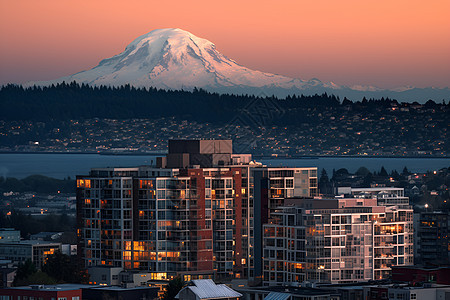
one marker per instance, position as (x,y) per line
(417,274)
(406,292)
(104,275)
(8,235)
(36,251)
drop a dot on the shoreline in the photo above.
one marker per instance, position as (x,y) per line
(156,153)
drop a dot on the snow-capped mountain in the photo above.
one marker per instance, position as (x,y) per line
(177,59)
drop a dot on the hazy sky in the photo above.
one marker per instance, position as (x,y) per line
(386,43)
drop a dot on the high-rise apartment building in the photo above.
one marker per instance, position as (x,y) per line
(432,238)
(198,213)
(336,241)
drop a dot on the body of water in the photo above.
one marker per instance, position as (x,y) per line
(65,165)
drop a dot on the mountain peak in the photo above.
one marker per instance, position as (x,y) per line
(176,36)
(172,58)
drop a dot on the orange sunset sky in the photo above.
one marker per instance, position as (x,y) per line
(383,43)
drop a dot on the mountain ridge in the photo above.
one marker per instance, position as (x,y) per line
(175,59)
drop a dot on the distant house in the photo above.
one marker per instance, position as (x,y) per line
(206,289)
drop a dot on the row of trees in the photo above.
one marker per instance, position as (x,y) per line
(38,184)
(59,268)
(28,224)
(73,101)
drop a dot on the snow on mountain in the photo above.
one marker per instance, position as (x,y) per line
(176,59)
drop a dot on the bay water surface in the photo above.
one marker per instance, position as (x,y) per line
(21,165)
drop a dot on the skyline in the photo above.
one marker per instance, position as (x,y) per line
(388,48)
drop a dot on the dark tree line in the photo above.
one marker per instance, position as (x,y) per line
(74,101)
(28,224)
(38,184)
(58,268)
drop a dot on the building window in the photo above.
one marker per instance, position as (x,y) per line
(413,296)
(289,183)
(229,183)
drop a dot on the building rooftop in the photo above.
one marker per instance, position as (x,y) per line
(54,288)
(120,288)
(277,296)
(375,189)
(278,292)
(207,289)
(31,242)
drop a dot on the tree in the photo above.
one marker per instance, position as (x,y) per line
(367,180)
(406,172)
(38,277)
(395,175)
(63,268)
(24,270)
(173,288)
(362,171)
(383,172)
(340,174)
(324,183)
